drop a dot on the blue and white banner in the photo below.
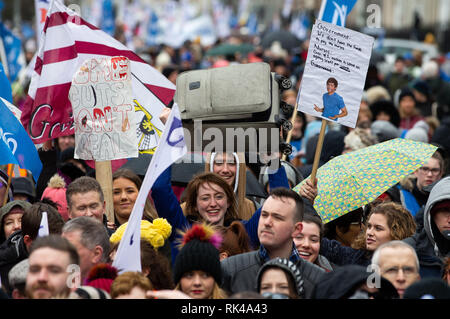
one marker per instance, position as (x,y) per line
(171,148)
(16,146)
(335,11)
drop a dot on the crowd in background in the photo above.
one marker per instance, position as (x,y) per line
(233,247)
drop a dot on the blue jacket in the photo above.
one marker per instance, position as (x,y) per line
(168,207)
(343,255)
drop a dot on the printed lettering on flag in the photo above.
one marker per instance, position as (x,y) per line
(68,41)
(336,11)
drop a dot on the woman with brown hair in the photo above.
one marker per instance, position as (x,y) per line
(209,197)
(126,186)
(197,271)
(232,168)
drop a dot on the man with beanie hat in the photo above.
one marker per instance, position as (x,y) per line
(432,244)
(197,270)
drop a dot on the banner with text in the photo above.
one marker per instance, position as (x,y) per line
(337,63)
(103,111)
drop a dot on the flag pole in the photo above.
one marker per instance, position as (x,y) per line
(318,150)
(103,174)
(5,199)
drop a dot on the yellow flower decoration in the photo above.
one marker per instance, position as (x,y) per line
(155,233)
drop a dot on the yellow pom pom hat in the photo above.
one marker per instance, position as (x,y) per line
(155,233)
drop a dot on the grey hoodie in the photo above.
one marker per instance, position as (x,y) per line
(430,256)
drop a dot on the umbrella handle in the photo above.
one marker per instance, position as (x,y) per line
(318,150)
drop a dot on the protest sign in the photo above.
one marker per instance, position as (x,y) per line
(103,111)
(335,73)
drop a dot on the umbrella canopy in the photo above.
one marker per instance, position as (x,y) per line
(354,179)
(287,40)
(228,48)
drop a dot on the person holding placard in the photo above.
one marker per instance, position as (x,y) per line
(333,104)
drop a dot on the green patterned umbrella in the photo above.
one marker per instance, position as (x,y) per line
(354,179)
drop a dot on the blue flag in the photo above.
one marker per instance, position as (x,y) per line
(16,146)
(335,11)
(13,47)
(5,86)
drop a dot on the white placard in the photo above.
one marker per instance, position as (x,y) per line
(343,55)
(103,111)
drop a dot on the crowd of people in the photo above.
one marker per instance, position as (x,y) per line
(212,241)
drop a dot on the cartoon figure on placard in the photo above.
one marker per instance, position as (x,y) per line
(333,104)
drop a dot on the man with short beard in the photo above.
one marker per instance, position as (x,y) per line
(52,260)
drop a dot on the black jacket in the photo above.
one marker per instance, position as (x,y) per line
(240,273)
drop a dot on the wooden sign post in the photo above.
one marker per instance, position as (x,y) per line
(103,174)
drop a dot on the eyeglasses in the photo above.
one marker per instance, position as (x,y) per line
(426,170)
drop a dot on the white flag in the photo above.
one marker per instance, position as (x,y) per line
(43,228)
(171,148)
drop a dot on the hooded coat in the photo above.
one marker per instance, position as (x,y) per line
(430,245)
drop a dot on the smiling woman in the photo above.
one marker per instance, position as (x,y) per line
(126,185)
(197,270)
(386,221)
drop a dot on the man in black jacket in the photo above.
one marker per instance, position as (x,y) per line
(280,221)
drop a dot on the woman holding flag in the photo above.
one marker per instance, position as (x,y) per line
(209,199)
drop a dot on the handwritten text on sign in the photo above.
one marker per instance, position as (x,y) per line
(103,110)
(340,54)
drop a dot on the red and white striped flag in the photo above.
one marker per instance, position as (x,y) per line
(67,41)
